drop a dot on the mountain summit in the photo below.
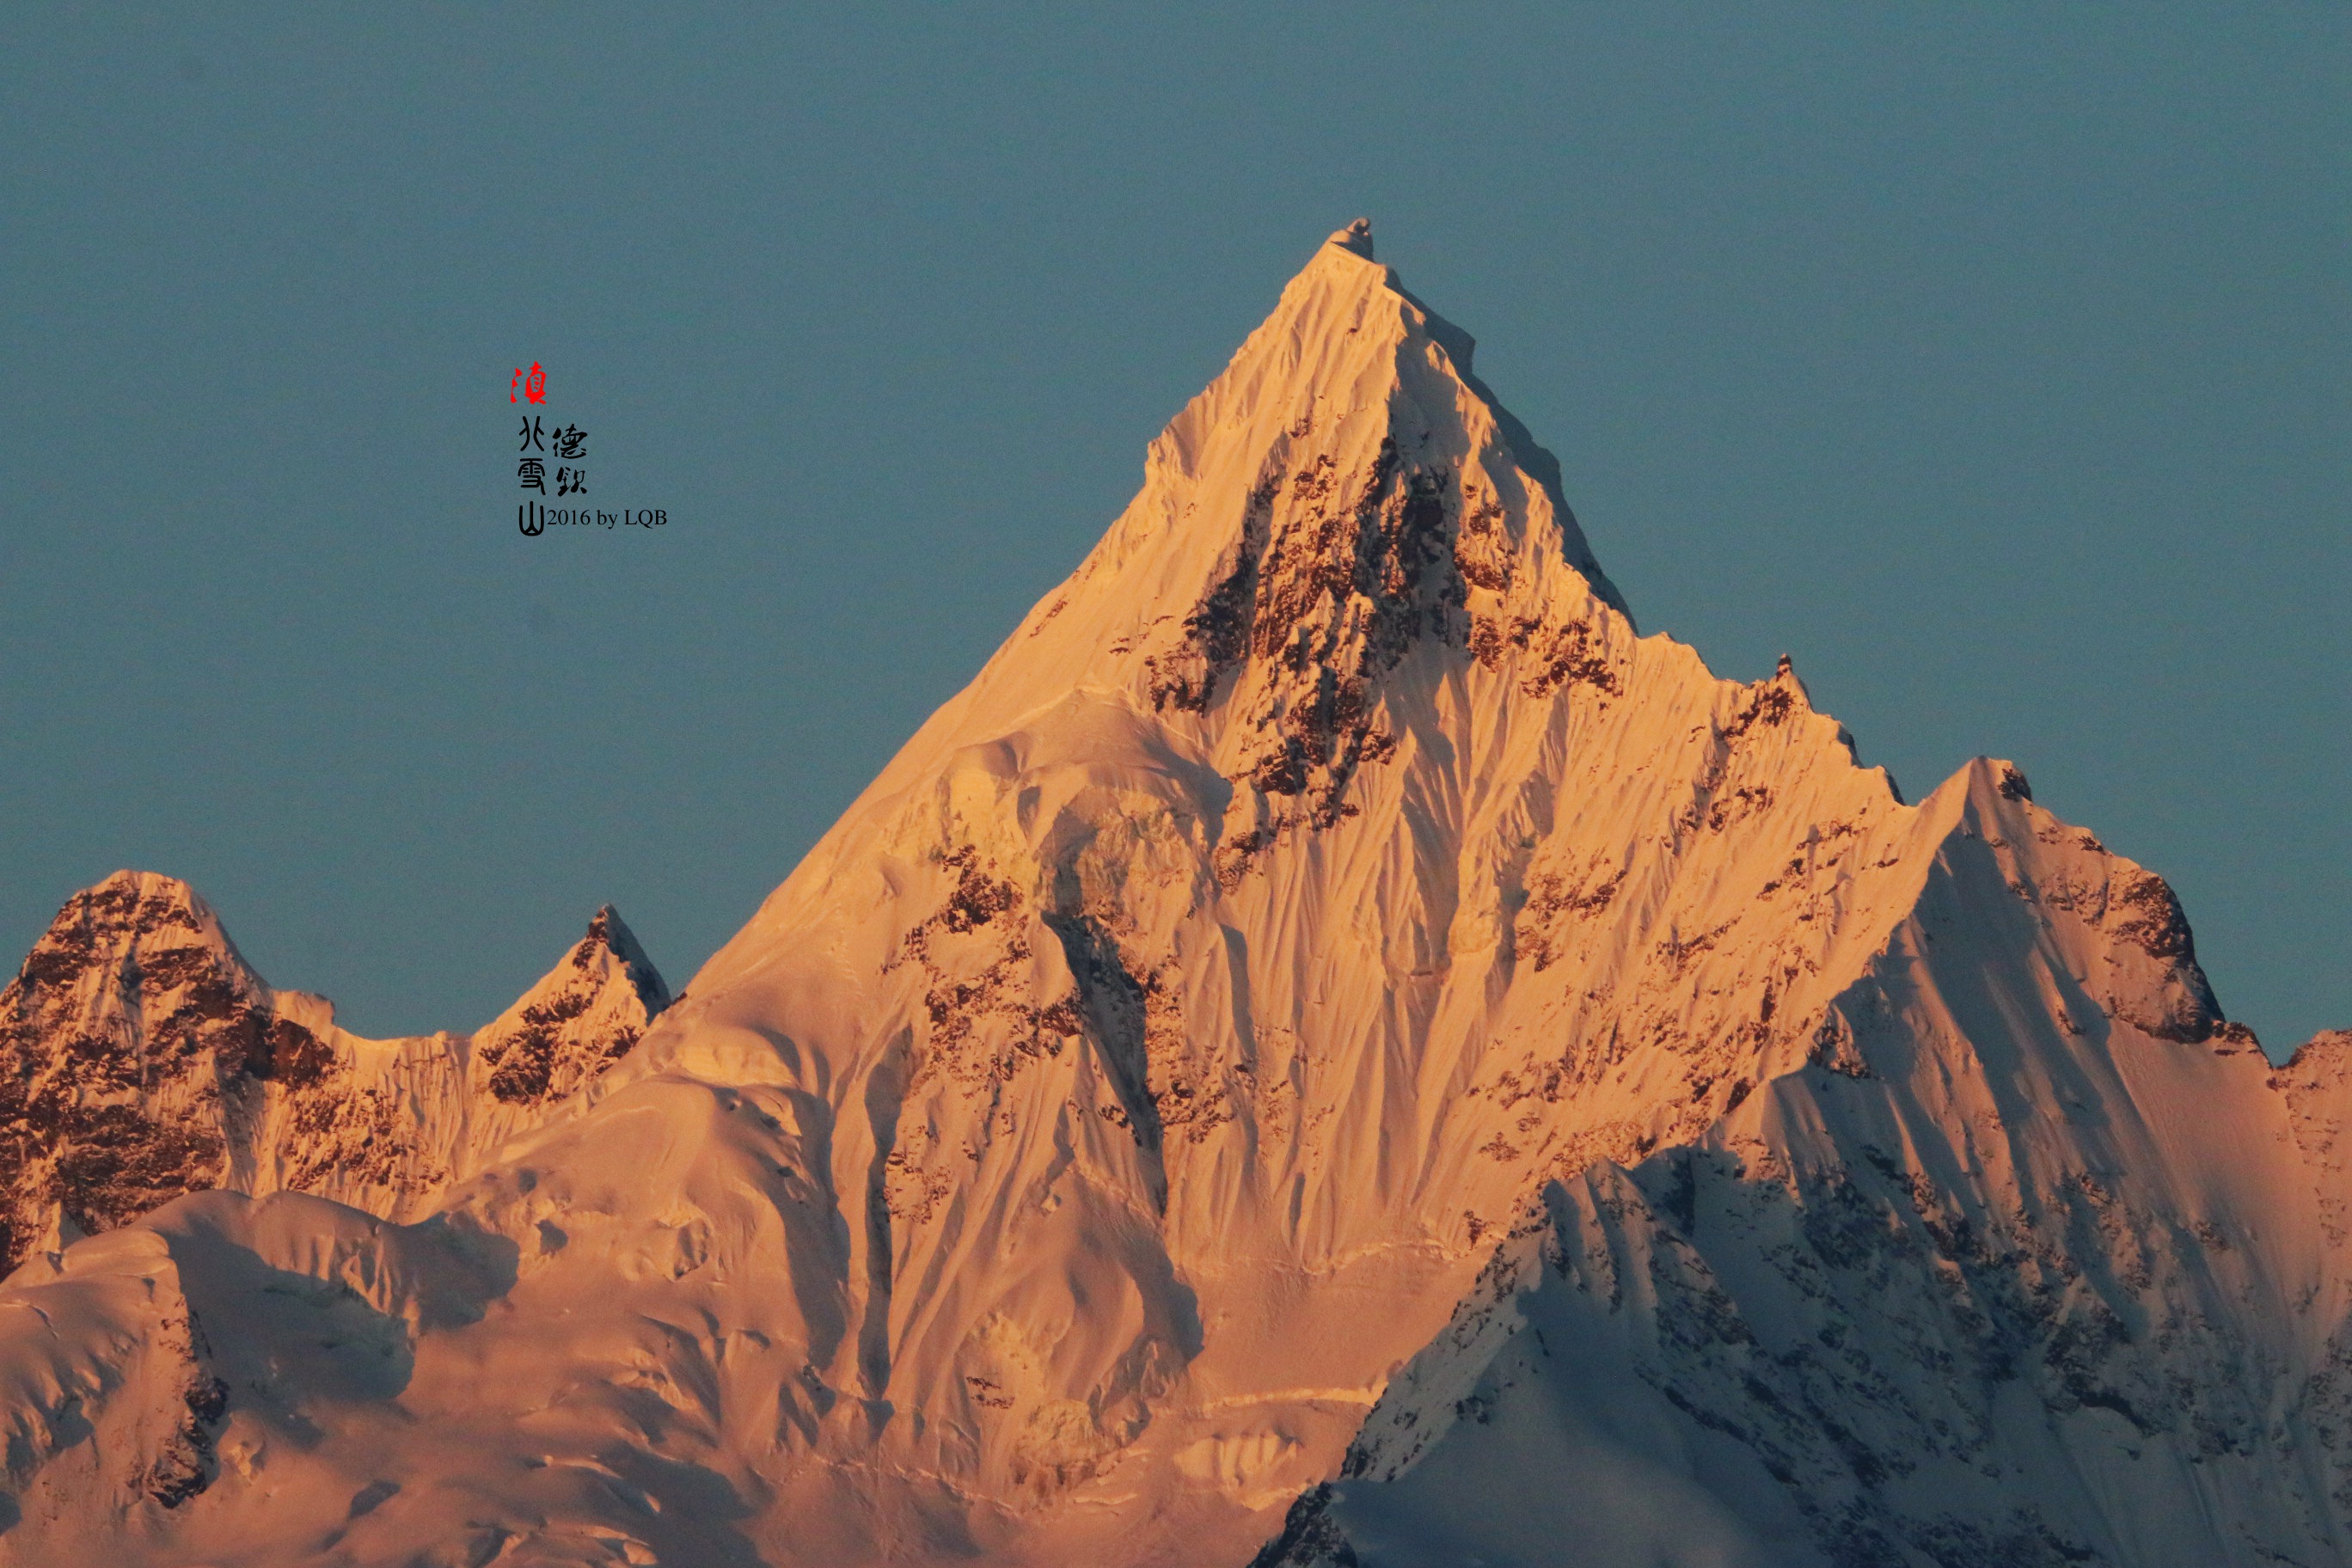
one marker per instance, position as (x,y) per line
(1332,1048)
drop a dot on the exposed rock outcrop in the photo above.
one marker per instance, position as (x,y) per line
(142,1058)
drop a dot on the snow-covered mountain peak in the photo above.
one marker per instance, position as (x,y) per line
(1325,537)
(1350,399)
(1356,238)
(134,999)
(610,933)
(141,1057)
(586,1014)
(1326,938)
(102,930)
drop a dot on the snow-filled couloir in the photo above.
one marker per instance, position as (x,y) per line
(1328,997)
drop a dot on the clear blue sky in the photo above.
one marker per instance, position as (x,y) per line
(1990,360)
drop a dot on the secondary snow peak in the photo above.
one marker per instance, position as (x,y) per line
(607,932)
(140,1058)
(583,1015)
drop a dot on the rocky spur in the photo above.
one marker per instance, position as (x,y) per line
(530,517)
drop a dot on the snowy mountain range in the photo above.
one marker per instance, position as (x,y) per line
(1334,1048)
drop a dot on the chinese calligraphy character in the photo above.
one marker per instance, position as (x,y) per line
(531,434)
(533,383)
(571,481)
(534,475)
(569,442)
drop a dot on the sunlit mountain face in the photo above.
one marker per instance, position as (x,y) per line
(1333,1050)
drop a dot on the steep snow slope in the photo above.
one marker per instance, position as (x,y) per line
(2020,1277)
(1164,1051)
(140,1058)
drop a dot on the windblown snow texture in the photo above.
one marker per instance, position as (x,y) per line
(1333,1048)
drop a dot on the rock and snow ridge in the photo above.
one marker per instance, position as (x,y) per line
(1333,1048)
(140,1058)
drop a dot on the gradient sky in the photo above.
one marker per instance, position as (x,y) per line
(1990,360)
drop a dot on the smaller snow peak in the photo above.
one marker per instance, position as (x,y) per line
(601,927)
(584,1014)
(1357,238)
(134,1044)
(135,902)
(607,932)
(105,926)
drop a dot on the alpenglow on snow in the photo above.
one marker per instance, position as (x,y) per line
(1334,1048)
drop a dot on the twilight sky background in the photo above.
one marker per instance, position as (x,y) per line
(1990,360)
